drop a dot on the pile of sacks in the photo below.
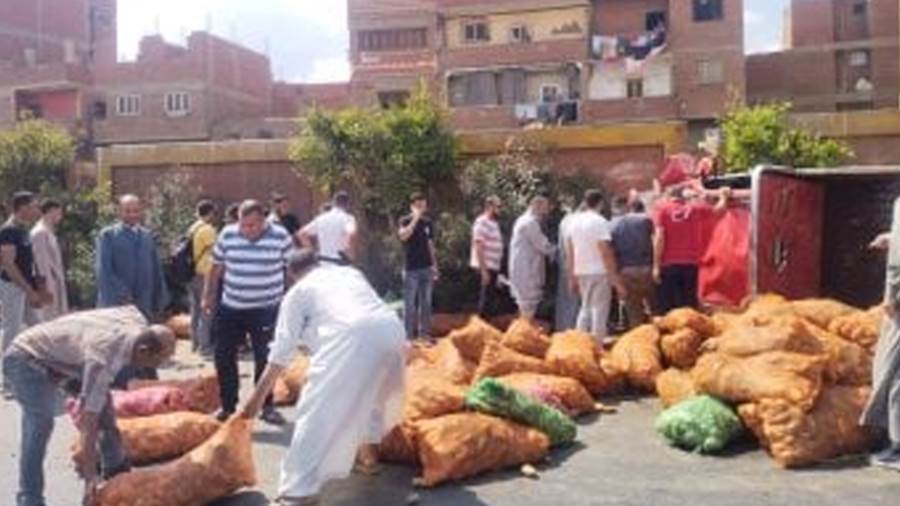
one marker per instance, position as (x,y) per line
(798,373)
(450,441)
(167,425)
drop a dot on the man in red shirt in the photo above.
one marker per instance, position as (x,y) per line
(678,245)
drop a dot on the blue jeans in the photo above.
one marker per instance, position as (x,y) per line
(39,398)
(417,290)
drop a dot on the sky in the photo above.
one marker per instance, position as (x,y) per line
(307,40)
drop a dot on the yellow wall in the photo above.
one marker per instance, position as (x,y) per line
(851,124)
(541,25)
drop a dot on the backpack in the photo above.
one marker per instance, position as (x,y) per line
(183,266)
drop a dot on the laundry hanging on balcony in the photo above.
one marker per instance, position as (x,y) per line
(645,45)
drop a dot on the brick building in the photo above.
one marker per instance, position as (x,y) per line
(58,61)
(47,50)
(503,63)
(841,55)
(171,92)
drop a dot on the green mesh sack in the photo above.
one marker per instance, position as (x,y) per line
(494,398)
(702,424)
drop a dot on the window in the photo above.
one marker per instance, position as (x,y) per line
(710,72)
(708,10)
(391,99)
(859,59)
(128,105)
(549,93)
(475,32)
(518,34)
(860,8)
(178,104)
(392,40)
(635,88)
(99,111)
(655,19)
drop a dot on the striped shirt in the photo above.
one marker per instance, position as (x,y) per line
(254,270)
(486,231)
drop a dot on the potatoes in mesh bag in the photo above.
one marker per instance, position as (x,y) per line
(560,392)
(847,363)
(462,445)
(821,311)
(202,392)
(448,361)
(681,348)
(430,394)
(723,321)
(638,356)
(214,470)
(788,333)
(687,318)
(794,377)
(471,339)
(575,354)
(797,438)
(862,328)
(290,383)
(161,437)
(763,309)
(674,386)
(498,360)
(526,337)
(399,446)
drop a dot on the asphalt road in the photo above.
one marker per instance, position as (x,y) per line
(619,460)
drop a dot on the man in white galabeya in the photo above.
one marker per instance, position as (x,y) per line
(354,393)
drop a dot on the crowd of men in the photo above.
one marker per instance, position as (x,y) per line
(264,282)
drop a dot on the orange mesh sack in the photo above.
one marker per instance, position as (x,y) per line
(458,446)
(796,438)
(570,393)
(781,375)
(180,325)
(575,355)
(862,328)
(821,311)
(781,334)
(687,318)
(637,354)
(430,394)
(160,437)
(290,384)
(765,308)
(399,446)
(847,363)
(526,337)
(498,360)
(674,386)
(616,379)
(202,392)
(447,358)
(681,348)
(724,321)
(471,339)
(216,469)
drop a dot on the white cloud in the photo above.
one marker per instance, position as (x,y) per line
(328,70)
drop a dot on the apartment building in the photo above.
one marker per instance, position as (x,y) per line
(178,93)
(505,63)
(47,50)
(840,55)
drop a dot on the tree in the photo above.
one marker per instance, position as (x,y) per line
(381,157)
(763,135)
(34,156)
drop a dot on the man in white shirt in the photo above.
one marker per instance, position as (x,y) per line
(334,231)
(594,268)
